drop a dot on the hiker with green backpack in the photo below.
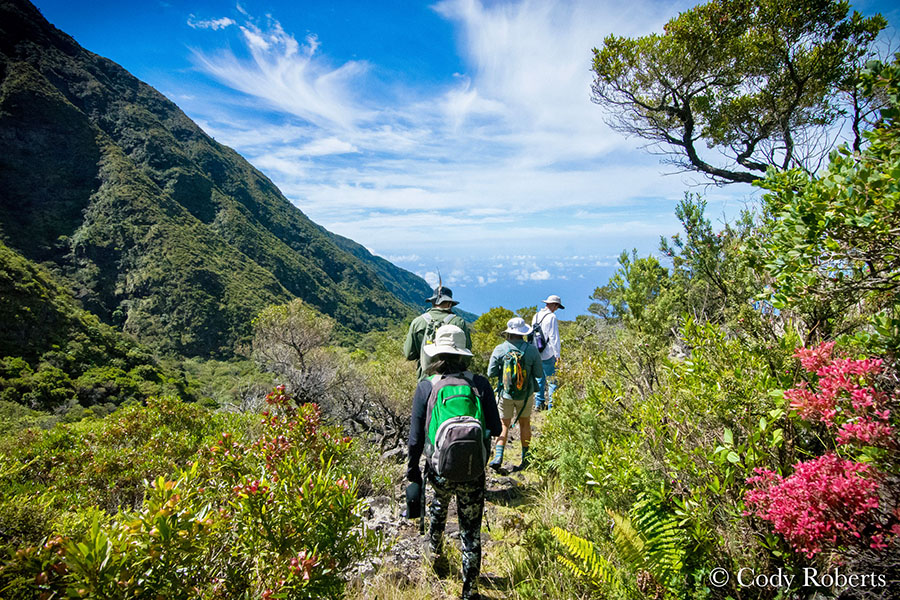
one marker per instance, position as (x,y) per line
(517,365)
(454,415)
(422,329)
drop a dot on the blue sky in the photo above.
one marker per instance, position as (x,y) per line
(456,136)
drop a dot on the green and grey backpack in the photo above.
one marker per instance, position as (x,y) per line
(513,377)
(457,440)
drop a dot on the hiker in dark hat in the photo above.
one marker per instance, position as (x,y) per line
(458,395)
(422,329)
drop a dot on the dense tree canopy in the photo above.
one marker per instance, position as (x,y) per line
(833,238)
(756,83)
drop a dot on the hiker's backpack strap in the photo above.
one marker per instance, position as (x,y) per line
(469,376)
(428,318)
(466,377)
(429,403)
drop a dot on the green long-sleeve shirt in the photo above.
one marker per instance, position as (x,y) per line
(412,347)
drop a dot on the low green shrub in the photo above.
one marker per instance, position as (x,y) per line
(273,513)
(105,462)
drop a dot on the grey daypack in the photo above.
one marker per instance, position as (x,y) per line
(431,327)
(457,441)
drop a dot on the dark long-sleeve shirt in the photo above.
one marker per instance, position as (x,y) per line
(417,433)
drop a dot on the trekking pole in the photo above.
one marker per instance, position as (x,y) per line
(422,501)
(520,413)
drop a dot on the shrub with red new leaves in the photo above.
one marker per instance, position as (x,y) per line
(828,500)
(847,400)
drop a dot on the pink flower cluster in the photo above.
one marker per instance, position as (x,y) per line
(828,500)
(814,358)
(303,564)
(866,432)
(846,399)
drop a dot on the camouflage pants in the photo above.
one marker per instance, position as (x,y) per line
(470,508)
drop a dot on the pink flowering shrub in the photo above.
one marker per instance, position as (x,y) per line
(847,399)
(829,500)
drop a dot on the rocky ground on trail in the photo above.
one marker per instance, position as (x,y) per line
(403,561)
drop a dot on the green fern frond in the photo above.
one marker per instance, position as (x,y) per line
(628,540)
(591,568)
(650,539)
(664,538)
(577,571)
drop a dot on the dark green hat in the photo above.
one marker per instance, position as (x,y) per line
(441,294)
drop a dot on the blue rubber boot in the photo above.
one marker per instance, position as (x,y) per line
(525,461)
(497,461)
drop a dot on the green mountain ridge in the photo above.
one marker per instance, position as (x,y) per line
(54,354)
(166,233)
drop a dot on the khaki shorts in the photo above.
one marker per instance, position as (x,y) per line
(509,408)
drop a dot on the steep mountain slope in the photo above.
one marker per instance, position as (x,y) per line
(170,235)
(53,353)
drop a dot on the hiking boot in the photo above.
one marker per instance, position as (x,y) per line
(496,464)
(441,566)
(435,558)
(525,461)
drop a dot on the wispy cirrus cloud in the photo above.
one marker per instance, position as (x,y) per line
(214,24)
(508,154)
(289,75)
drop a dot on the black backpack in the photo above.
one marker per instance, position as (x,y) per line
(537,336)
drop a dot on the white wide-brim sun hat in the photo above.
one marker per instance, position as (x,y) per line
(448,339)
(517,326)
(553,299)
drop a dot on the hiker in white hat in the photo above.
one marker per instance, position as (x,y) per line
(452,407)
(546,339)
(517,366)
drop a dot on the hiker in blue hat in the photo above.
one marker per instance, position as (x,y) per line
(422,329)
(449,384)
